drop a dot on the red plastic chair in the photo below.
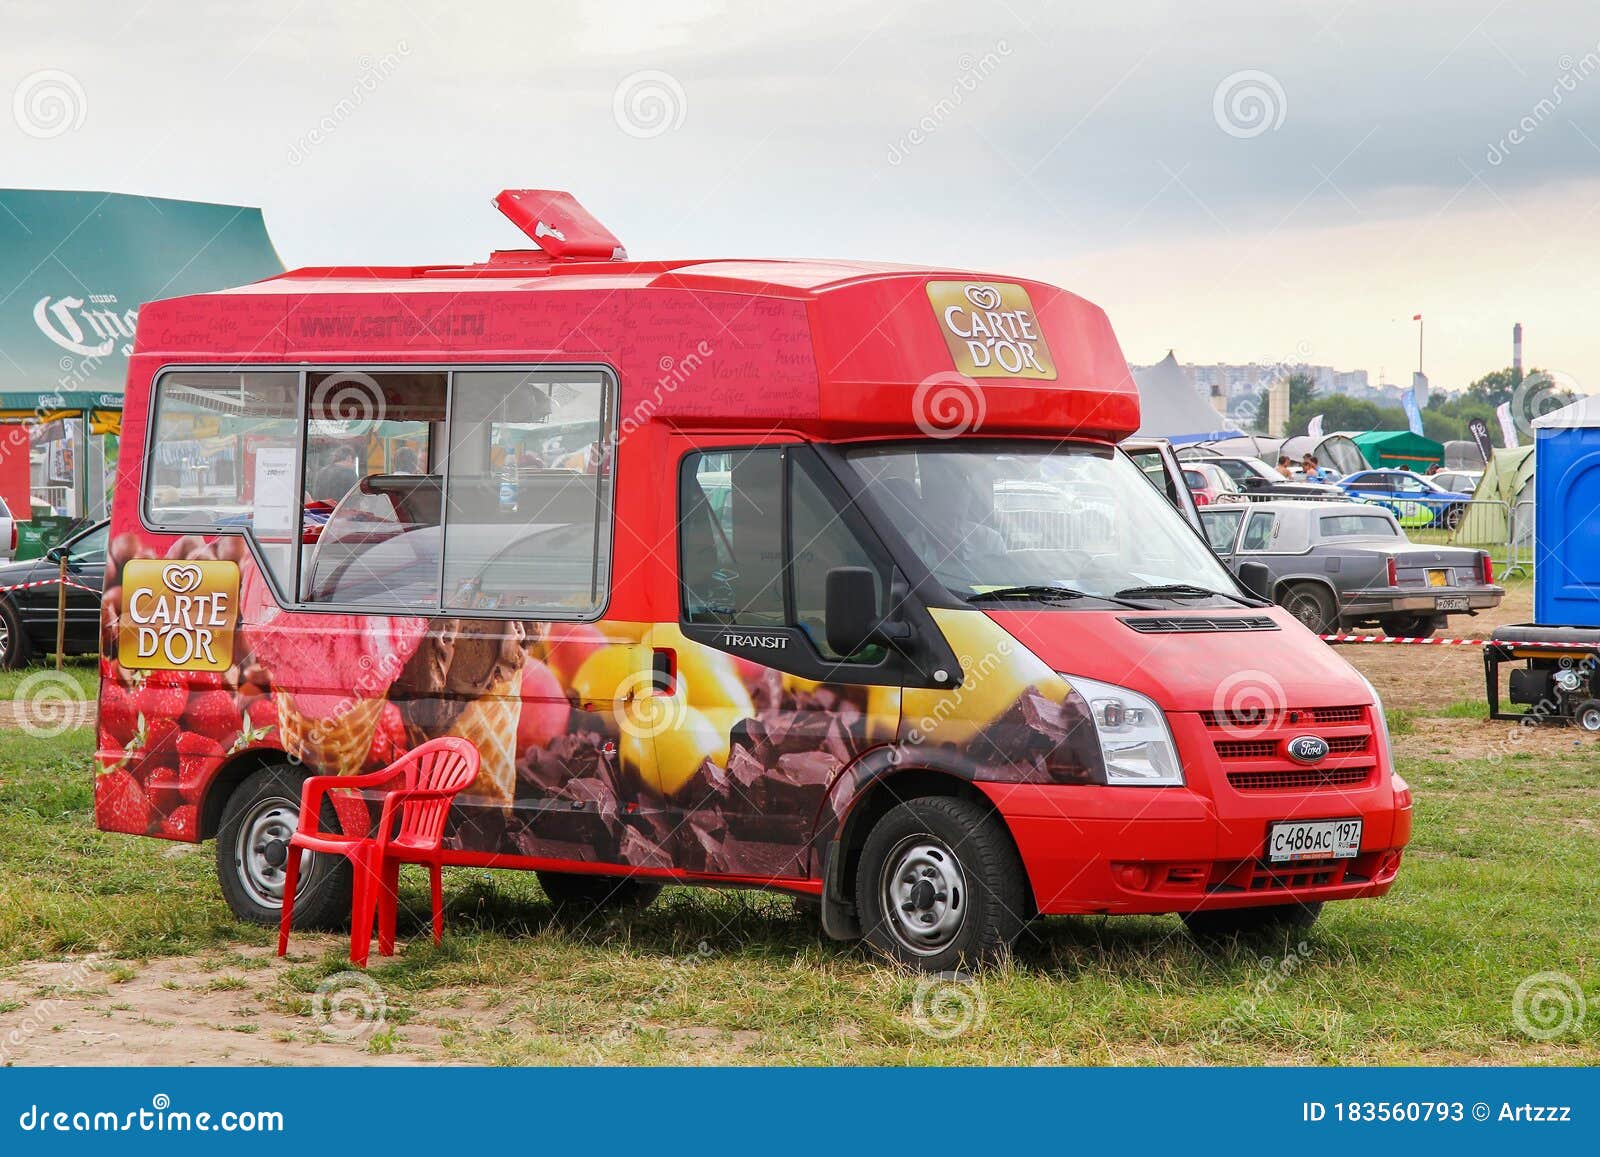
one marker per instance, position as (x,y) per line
(410,831)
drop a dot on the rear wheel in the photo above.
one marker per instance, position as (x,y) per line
(1453,516)
(253,847)
(15,649)
(940,885)
(578,892)
(1587,715)
(1408,626)
(1313,606)
(1228,923)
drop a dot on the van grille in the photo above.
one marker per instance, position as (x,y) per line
(1252,747)
(1262,719)
(1199,624)
(1301,779)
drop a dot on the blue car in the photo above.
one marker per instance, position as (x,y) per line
(1415,501)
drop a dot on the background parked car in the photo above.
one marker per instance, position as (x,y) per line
(1459,481)
(28,617)
(1254,477)
(1209,484)
(8,531)
(1340,565)
(1415,501)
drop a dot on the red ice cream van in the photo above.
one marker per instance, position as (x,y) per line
(816,576)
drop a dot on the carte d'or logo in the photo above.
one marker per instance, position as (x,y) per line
(178,615)
(991,329)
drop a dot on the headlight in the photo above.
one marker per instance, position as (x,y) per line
(1134,740)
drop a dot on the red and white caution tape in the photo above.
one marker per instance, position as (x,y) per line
(1454,642)
(47,583)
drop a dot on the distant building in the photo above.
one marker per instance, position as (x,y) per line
(1241,387)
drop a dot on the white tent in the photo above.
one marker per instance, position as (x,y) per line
(1169,407)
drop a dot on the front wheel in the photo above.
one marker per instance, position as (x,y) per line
(15,649)
(1228,923)
(1587,715)
(940,885)
(253,847)
(1408,626)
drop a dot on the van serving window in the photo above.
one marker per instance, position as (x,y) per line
(408,491)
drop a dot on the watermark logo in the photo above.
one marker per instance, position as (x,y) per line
(948,1004)
(1248,703)
(1542,392)
(649,103)
(49,103)
(972,71)
(948,405)
(49,703)
(1547,1005)
(646,711)
(1249,103)
(349,1006)
(350,403)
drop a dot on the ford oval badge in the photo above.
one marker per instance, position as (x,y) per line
(1308,749)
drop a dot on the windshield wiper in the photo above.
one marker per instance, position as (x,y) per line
(1041,593)
(1182,591)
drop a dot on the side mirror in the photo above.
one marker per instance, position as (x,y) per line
(850,610)
(1257,579)
(55,554)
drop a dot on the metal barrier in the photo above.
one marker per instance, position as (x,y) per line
(1519,540)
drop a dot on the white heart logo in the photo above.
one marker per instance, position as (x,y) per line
(983,296)
(181,578)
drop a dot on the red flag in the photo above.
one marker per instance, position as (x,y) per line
(1416,317)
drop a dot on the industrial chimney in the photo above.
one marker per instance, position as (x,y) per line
(1516,350)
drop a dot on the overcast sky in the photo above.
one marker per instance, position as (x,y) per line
(1269,181)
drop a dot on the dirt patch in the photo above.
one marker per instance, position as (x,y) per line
(53,715)
(237,1009)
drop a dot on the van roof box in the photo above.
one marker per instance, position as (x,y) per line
(557,224)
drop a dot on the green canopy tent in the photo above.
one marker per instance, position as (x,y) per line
(1502,511)
(74,268)
(1398,450)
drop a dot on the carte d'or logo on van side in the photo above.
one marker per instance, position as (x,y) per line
(991,329)
(178,615)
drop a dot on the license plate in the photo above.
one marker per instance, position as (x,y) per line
(1313,840)
(1438,578)
(1450,604)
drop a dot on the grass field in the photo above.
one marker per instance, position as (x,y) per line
(116,949)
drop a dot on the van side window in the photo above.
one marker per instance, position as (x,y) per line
(1258,534)
(756,549)
(730,507)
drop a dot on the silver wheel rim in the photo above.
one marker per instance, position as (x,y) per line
(1590,719)
(260,851)
(5,638)
(924,893)
(1307,610)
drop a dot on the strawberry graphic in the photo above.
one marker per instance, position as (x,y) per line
(163,696)
(161,789)
(197,756)
(120,803)
(182,824)
(263,713)
(118,715)
(214,714)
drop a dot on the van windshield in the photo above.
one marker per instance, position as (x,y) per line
(991,516)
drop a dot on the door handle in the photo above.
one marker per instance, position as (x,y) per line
(663,671)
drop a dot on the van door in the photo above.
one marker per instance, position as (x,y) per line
(764,716)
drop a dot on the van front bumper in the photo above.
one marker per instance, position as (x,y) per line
(1123,850)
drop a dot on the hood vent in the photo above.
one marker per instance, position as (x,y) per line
(1199,624)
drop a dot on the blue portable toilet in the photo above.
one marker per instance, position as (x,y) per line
(1566,491)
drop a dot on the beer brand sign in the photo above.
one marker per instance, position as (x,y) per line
(991,329)
(178,615)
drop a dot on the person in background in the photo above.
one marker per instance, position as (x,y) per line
(1312,471)
(1285,466)
(405,461)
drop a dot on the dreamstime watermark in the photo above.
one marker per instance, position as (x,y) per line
(1542,392)
(1247,704)
(674,372)
(974,674)
(972,72)
(1249,409)
(646,711)
(649,103)
(947,405)
(349,1006)
(1275,970)
(946,1005)
(1572,73)
(1248,103)
(49,103)
(350,403)
(48,703)
(676,976)
(1547,1005)
(374,70)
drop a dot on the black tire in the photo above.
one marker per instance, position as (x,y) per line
(1312,605)
(577,892)
(1587,715)
(1408,626)
(949,864)
(1453,516)
(1231,923)
(263,808)
(15,647)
